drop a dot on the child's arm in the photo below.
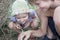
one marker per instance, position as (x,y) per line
(15,27)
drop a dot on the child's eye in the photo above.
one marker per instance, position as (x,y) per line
(24,17)
(36,3)
(19,18)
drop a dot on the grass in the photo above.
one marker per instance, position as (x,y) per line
(7,34)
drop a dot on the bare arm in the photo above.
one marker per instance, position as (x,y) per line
(43,29)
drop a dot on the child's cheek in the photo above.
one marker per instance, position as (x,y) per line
(18,20)
(25,18)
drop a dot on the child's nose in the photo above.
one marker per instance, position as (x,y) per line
(22,20)
(42,7)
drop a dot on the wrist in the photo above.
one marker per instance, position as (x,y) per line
(32,33)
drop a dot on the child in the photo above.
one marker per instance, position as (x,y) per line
(24,20)
(22,16)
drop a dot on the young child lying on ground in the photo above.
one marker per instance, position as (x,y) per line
(23,17)
(24,21)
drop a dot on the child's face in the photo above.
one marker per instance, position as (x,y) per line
(42,4)
(22,18)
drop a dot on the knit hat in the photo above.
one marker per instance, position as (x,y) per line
(20,6)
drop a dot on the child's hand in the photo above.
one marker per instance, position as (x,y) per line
(27,25)
(25,35)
